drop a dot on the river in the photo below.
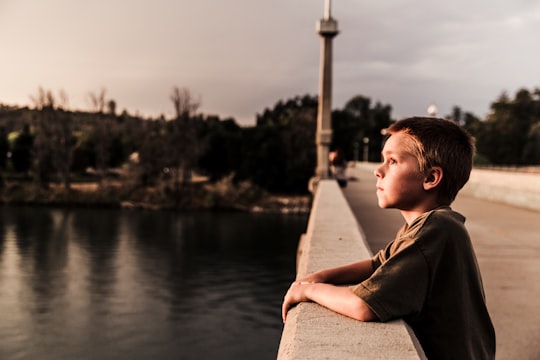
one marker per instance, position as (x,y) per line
(124,284)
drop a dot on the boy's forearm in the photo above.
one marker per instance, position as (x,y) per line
(341,300)
(317,287)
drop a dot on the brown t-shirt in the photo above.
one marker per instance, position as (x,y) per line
(429,276)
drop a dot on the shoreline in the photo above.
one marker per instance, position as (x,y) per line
(196,197)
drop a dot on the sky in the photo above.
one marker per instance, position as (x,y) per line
(239,57)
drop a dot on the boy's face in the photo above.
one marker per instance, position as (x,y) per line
(399,182)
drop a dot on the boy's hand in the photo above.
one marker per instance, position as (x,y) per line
(295,294)
(312,278)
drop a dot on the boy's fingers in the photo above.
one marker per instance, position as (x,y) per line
(287,302)
(284,310)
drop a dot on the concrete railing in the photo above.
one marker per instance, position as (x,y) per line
(334,238)
(520,189)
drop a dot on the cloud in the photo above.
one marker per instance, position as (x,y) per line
(243,56)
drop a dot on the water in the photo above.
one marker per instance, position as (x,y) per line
(112,284)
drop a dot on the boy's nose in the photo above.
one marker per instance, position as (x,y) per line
(377,172)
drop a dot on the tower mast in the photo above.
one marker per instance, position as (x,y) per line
(327,29)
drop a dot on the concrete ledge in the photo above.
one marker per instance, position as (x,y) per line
(334,238)
(520,189)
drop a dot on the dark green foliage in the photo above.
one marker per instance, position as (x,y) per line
(531,150)
(152,154)
(279,153)
(223,153)
(84,155)
(4,148)
(509,135)
(21,152)
(359,120)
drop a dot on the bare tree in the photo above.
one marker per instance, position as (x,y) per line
(97,100)
(103,133)
(43,100)
(183,146)
(185,105)
(54,139)
(111,107)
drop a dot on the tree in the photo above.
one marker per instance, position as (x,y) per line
(507,129)
(97,100)
(184,145)
(4,147)
(21,152)
(457,115)
(54,140)
(531,150)
(184,102)
(84,155)
(222,155)
(279,153)
(359,120)
(111,107)
(101,135)
(152,153)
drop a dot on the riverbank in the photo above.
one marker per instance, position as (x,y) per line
(223,195)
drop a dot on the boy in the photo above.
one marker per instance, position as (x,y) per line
(428,275)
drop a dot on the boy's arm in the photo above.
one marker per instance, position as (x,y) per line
(339,299)
(316,287)
(353,273)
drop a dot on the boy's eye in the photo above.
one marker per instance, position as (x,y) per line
(392,161)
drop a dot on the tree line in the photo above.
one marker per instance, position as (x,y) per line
(49,143)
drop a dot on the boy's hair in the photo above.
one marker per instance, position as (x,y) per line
(443,143)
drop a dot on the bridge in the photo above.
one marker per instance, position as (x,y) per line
(503,218)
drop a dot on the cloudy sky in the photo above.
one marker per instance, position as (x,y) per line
(242,56)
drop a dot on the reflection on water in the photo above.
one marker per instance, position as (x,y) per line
(109,284)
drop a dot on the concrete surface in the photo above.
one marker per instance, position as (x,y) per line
(514,188)
(506,240)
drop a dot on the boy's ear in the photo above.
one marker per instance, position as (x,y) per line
(433,178)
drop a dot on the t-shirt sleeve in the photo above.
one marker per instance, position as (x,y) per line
(398,287)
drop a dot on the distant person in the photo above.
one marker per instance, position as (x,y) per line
(338,167)
(428,275)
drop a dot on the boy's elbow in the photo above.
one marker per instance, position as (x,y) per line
(363,312)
